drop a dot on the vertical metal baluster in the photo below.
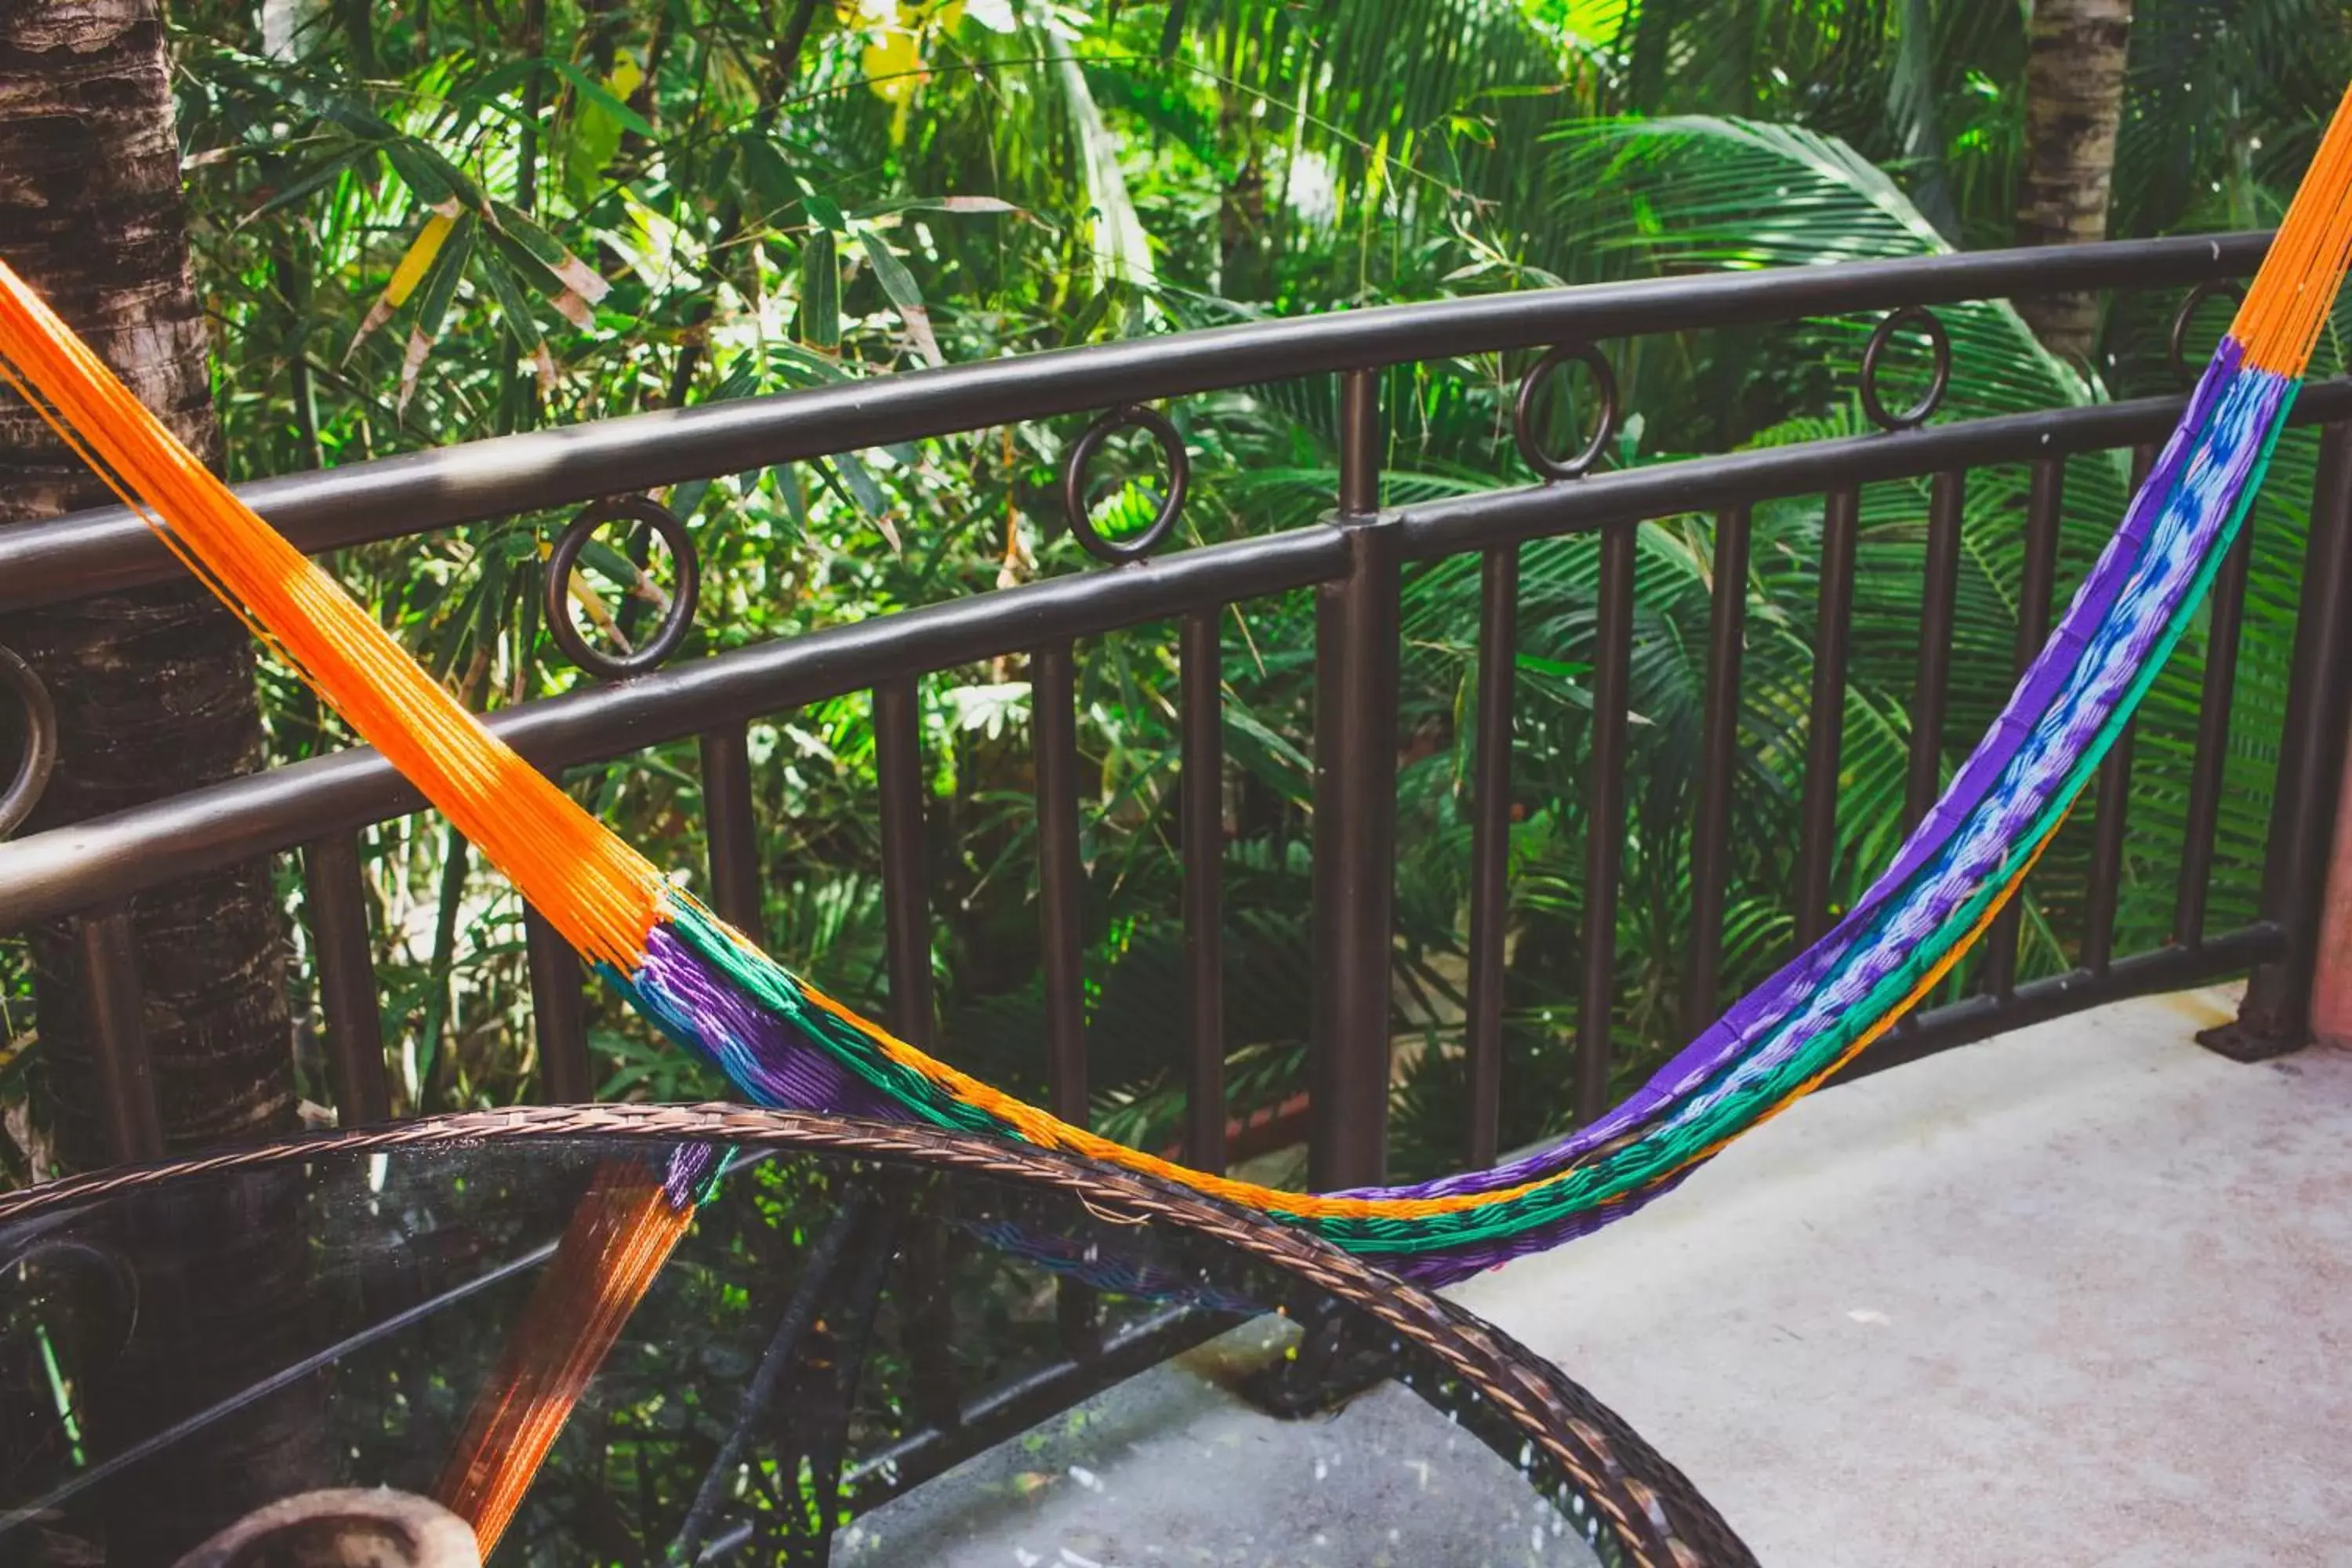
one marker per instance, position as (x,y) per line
(906,936)
(1490,848)
(928,1331)
(2113,812)
(336,896)
(1718,769)
(1931,687)
(1201,783)
(2113,808)
(1053,702)
(1825,731)
(1938,593)
(1604,842)
(1354,817)
(732,830)
(558,1013)
(117,1005)
(1060,879)
(905,903)
(2043,498)
(2276,1016)
(2212,756)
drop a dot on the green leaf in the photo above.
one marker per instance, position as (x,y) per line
(862,484)
(526,265)
(1092,314)
(432,303)
(537,246)
(303,184)
(819,291)
(767,176)
(536,242)
(848,477)
(485,90)
(595,92)
(934,204)
(1559,670)
(1248,724)
(615,567)
(424,175)
(358,119)
(899,285)
(823,212)
(795,494)
(441,284)
(1121,248)
(514,309)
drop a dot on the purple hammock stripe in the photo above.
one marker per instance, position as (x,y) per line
(2180,546)
(1730,1036)
(764,1055)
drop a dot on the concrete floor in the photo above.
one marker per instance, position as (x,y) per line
(2080,1296)
(1171,1470)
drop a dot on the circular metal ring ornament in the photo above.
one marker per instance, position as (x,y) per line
(1135,547)
(1532,388)
(677,620)
(41,759)
(1939,343)
(2177,345)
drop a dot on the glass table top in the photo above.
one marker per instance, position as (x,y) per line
(871,1347)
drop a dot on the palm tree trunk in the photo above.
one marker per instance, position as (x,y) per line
(155,695)
(2074,101)
(155,688)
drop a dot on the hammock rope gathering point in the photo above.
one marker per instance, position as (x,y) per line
(782,1043)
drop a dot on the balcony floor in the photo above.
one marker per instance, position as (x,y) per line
(2080,1295)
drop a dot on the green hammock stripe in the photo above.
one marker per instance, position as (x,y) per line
(1608,1179)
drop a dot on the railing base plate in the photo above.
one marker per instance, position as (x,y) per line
(2242,1042)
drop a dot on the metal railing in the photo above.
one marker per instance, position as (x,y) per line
(1354,562)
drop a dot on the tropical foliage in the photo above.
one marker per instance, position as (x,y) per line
(423,223)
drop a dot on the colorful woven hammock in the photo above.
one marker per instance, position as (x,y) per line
(781,1042)
(784,1043)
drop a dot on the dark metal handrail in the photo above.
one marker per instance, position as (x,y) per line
(108,550)
(54,873)
(1355,561)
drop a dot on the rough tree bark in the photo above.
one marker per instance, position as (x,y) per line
(154,694)
(154,690)
(2074,101)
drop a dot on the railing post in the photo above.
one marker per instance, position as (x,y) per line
(1825,726)
(1354,815)
(1490,848)
(732,830)
(336,895)
(2301,882)
(1203,834)
(1061,878)
(2111,815)
(1061,896)
(558,1012)
(907,935)
(117,1002)
(2330,1021)
(1604,831)
(905,901)
(2226,611)
(1726,643)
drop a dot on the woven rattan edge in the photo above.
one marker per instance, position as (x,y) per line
(1660,1518)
